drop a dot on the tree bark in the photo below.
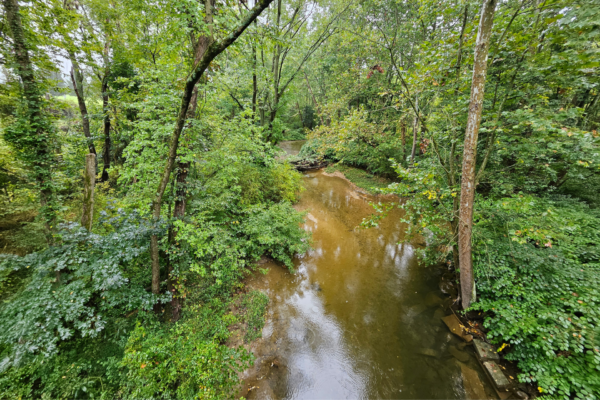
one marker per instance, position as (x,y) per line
(77,80)
(213,49)
(403,139)
(415,132)
(39,148)
(106,124)
(89,181)
(467,192)
(183,169)
(254,81)
(460,46)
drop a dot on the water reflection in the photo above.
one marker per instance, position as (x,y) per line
(360,318)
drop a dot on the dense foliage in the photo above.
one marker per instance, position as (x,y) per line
(192,172)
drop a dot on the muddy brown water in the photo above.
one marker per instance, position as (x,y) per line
(360,317)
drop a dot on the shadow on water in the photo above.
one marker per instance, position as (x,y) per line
(360,318)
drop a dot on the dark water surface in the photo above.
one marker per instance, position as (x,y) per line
(360,318)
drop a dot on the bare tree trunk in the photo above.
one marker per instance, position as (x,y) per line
(213,49)
(254,82)
(415,132)
(77,79)
(403,139)
(38,154)
(89,181)
(106,123)
(460,45)
(467,192)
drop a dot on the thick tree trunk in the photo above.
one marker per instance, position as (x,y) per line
(77,80)
(38,151)
(467,192)
(89,181)
(213,49)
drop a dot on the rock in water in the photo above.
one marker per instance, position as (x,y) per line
(485,351)
(456,327)
(429,352)
(439,314)
(462,356)
(432,300)
(472,384)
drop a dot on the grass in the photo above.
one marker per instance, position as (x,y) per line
(361,178)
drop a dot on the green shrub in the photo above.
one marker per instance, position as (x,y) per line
(537,263)
(254,306)
(181,361)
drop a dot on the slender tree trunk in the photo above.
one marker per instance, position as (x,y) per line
(415,132)
(254,81)
(467,192)
(213,49)
(276,74)
(106,123)
(89,181)
(403,139)
(37,149)
(77,80)
(460,46)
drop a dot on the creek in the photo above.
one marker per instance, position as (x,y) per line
(360,317)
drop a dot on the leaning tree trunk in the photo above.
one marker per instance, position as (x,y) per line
(467,191)
(213,49)
(77,80)
(32,139)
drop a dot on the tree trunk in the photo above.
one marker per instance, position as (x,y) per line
(254,82)
(89,181)
(467,192)
(77,79)
(415,132)
(183,169)
(403,138)
(460,46)
(106,124)
(35,142)
(213,49)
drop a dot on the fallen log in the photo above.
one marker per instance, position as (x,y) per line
(307,165)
